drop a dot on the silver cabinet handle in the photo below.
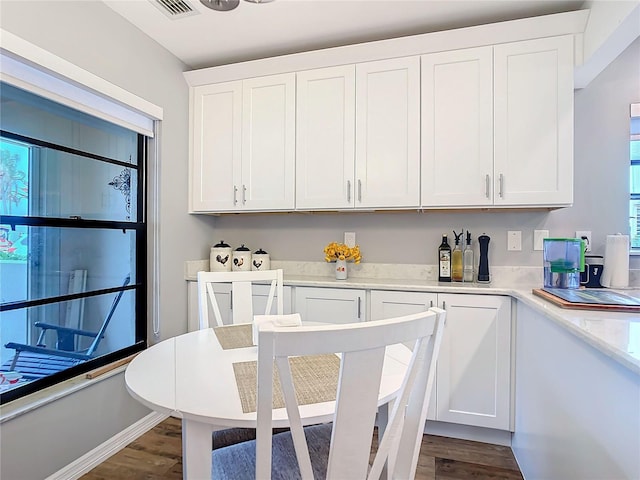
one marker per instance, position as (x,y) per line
(431,304)
(359,301)
(444,305)
(244,194)
(359,190)
(235,195)
(487,185)
(501,184)
(348,191)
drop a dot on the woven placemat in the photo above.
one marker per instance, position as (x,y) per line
(234,336)
(315,378)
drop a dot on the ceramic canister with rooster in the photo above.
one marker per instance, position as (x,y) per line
(260,260)
(220,258)
(241,259)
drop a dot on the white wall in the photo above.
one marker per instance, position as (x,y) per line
(95,38)
(600,200)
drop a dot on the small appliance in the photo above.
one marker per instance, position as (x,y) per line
(563,262)
(593,265)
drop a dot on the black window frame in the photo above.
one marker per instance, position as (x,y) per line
(139,286)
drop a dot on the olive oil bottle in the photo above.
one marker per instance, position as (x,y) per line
(467,260)
(444,260)
(456,258)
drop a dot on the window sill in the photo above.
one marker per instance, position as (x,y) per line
(23,405)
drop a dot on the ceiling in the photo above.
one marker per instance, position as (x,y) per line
(206,38)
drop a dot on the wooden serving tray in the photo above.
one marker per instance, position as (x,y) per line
(589,299)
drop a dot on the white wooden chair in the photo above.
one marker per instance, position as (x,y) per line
(242,312)
(341,449)
(241,295)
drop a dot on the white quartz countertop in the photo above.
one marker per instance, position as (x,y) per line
(615,334)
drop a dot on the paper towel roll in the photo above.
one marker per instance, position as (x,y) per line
(615,273)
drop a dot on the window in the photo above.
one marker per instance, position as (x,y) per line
(634,156)
(72,242)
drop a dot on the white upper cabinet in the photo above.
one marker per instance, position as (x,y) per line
(457,128)
(497,125)
(488,126)
(388,134)
(325,137)
(358,136)
(533,122)
(268,143)
(215,146)
(243,145)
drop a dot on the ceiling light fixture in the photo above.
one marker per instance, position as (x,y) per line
(226,5)
(221,5)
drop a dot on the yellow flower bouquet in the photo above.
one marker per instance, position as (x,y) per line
(339,251)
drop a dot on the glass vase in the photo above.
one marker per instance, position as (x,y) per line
(341,269)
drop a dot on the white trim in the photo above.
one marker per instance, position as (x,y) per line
(102,452)
(489,34)
(624,35)
(32,68)
(28,403)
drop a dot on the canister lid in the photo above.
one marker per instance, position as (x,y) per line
(242,248)
(221,245)
(260,252)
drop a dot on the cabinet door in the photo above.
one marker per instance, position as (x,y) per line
(533,91)
(457,128)
(474,365)
(389,304)
(388,134)
(330,305)
(325,132)
(215,146)
(260,296)
(268,143)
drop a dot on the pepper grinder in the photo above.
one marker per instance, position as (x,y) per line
(483,266)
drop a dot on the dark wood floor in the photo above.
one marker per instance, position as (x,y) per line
(157,455)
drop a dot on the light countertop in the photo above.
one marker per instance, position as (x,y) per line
(615,334)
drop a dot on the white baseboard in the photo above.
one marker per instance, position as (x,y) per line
(467,432)
(102,452)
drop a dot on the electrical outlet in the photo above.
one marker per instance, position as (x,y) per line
(350,239)
(514,241)
(587,235)
(538,236)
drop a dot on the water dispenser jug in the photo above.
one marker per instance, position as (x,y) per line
(563,262)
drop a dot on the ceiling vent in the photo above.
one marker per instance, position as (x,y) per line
(175,9)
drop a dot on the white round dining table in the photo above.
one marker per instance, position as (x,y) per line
(191,377)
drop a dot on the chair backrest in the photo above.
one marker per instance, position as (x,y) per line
(362,347)
(94,345)
(241,295)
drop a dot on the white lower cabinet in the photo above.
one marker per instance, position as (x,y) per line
(223,297)
(333,305)
(473,376)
